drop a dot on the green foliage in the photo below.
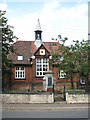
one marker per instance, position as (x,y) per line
(75,58)
(7,39)
(80,52)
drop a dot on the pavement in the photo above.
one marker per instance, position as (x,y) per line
(55,106)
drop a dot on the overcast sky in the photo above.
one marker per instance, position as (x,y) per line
(65,18)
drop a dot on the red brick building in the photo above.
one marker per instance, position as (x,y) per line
(32,60)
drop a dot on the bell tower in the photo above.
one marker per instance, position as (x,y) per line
(38,34)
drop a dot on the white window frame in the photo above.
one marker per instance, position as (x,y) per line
(82,81)
(62,74)
(41,65)
(20,57)
(19,73)
(42,52)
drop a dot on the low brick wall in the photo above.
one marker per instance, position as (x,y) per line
(77,98)
(27,98)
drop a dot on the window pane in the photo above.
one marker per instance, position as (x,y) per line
(16,74)
(44,60)
(20,74)
(17,68)
(40,73)
(37,73)
(22,68)
(23,73)
(37,69)
(43,69)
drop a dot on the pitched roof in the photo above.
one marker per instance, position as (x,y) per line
(51,46)
(28,48)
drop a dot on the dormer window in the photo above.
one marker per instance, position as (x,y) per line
(42,52)
(20,57)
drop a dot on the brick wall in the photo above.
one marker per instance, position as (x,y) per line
(60,85)
(30,77)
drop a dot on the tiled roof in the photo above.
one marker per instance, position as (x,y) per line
(28,48)
(51,46)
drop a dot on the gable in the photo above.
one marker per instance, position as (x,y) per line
(42,51)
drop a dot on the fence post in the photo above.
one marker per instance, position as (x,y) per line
(64,94)
(32,86)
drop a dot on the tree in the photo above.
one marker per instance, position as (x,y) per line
(75,59)
(80,52)
(7,38)
(65,60)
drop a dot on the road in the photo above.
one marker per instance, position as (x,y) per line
(46,114)
(45,110)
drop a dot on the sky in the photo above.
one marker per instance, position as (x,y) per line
(57,17)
